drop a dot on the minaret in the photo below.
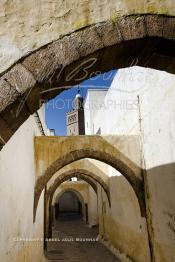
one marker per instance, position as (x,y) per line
(75,118)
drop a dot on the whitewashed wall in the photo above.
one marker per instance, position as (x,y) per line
(17,195)
(142,101)
(93,102)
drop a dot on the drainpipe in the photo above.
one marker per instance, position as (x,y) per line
(44,221)
(146,191)
(39,123)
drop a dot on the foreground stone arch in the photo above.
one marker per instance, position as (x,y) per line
(141,39)
(53,153)
(56,19)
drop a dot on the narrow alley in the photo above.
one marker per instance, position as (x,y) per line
(76,238)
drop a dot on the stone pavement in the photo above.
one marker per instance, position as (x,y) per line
(70,231)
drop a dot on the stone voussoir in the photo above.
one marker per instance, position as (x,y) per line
(132,27)
(169,28)
(8,94)
(20,78)
(89,41)
(47,62)
(154,25)
(42,64)
(65,50)
(15,114)
(5,131)
(109,33)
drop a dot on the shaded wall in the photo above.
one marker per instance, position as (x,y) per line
(122,225)
(142,101)
(17,193)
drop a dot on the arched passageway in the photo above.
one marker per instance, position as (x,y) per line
(78,205)
(84,164)
(81,174)
(75,148)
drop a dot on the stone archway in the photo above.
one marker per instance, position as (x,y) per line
(65,150)
(85,175)
(85,164)
(142,39)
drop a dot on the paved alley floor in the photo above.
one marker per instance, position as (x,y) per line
(76,242)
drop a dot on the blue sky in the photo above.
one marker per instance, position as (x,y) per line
(56,109)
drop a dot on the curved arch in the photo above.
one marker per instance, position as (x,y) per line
(137,185)
(88,177)
(79,173)
(60,181)
(143,39)
(102,151)
(85,164)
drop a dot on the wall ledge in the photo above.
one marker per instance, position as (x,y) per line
(121,256)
